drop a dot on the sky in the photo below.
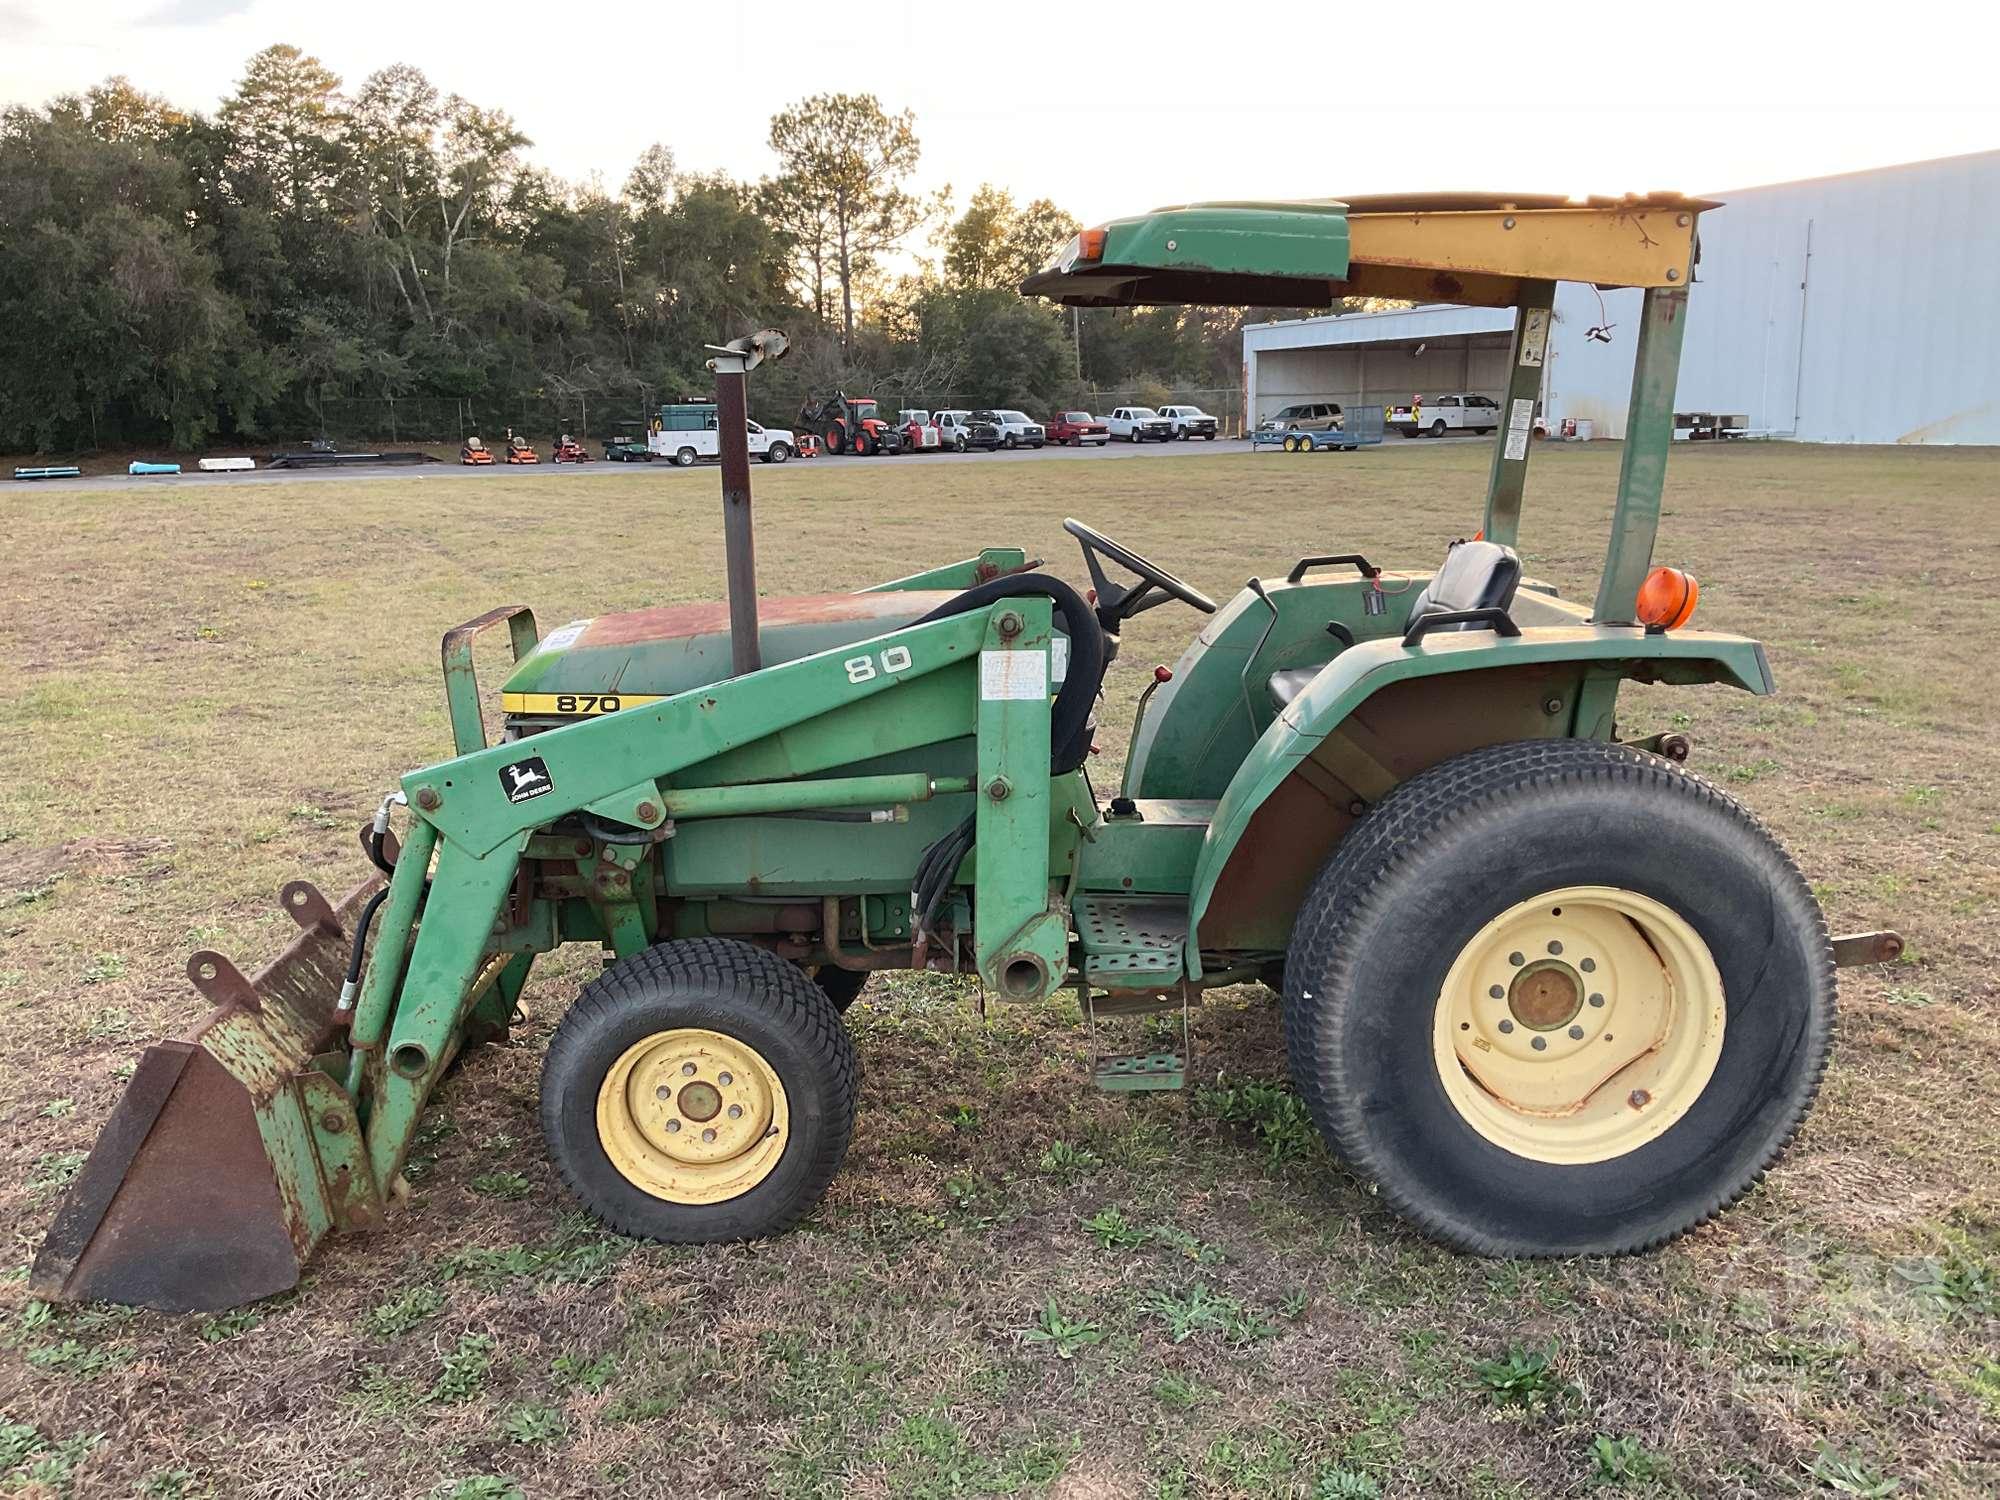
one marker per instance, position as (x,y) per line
(1111,110)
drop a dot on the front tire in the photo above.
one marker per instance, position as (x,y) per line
(1664,1009)
(698,1092)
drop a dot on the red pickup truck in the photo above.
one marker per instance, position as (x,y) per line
(1078,427)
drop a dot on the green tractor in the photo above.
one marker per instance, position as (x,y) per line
(1549,991)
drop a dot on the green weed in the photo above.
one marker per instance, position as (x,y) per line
(501,1185)
(1277,1115)
(1849,1474)
(1060,1333)
(1622,1460)
(1113,1231)
(1524,1377)
(529,1425)
(392,1319)
(463,1371)
(1202,1310)
(1068,1161)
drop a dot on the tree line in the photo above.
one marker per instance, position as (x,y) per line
(178,278)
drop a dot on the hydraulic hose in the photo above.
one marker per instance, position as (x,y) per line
(1069,729)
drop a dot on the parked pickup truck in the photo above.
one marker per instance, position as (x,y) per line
(1139,424)
(1437,415)
(1006,429)
(1190,422)
(954,429)
(1077,427)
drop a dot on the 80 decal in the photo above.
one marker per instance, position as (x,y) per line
(862,669)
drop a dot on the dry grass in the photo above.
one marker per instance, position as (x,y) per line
(211,686)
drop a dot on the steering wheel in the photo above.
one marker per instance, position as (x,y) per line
(1116,602)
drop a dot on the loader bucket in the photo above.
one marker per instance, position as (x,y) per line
(231,1153)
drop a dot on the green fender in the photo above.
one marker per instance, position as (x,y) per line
(1601,653)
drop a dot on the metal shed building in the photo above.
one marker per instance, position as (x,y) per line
(1851,309)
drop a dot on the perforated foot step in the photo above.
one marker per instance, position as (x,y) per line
(1138,1072)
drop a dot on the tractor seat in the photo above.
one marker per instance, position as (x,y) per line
(1475,575)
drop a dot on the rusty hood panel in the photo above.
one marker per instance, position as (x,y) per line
(672,648)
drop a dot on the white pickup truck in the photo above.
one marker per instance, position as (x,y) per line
(1434,416)
(1190,422)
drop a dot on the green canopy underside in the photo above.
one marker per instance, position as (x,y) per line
(1220,254)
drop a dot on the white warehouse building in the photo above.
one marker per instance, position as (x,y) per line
(1853,309)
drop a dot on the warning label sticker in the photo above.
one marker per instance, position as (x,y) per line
(1534,336)
(1013,674)
(1520,423)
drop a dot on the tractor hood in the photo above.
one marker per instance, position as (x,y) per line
(618,661)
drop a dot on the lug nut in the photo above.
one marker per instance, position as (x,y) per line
(1498,992)
(673,1127)
(725,1080)
(708,1137)
(1555,949)
(687,1070)
(1506,1025)
(1597,1001)
(1576,1033)
(1516,960)
(663,1092)
(1639,1099)
(1589,966)
(1540,1044)
(735,1111)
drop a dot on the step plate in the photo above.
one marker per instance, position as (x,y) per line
(1140,1072)
(1131,943)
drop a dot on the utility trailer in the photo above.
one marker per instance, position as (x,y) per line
(1360,427)
(1547,990)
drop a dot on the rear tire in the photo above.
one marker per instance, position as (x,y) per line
(685,458)
(691,1009)
(1437,428)
(1392,928)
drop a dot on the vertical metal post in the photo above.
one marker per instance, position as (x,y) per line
(1517,412)
(1642,472)
(738,541)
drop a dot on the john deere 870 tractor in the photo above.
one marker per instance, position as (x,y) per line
(1548,990)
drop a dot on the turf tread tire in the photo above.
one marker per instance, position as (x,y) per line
(1351,896)
(702,982)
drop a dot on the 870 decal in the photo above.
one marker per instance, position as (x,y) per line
(862,669)
(587,703)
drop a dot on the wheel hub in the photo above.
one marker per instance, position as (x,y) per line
(692,1116)
(1579,1025)
(1545,995)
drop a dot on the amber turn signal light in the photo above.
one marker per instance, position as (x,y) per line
(1090,246)
(1667,599)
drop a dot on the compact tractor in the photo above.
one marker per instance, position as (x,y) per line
(850,424)
(1551,993)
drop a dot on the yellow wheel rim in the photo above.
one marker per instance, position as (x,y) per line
(1580,1025)
(692,1116)
(1291,445)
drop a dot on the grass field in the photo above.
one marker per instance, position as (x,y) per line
(1017,1286)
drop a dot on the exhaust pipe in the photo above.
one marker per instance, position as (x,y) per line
(732,362)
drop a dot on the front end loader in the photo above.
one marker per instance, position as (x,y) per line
(1548,990)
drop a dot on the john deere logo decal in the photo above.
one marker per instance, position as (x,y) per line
(526,779)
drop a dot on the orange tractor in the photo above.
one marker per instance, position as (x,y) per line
(472,451)
(520,450)
(850,424)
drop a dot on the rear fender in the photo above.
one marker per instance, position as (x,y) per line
(1375,716)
